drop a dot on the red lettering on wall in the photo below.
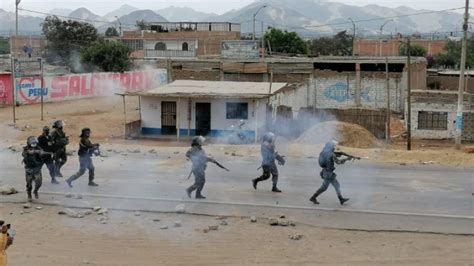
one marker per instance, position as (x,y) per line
(74,86)
(125,79)
(59,87)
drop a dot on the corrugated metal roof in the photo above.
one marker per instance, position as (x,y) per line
(215,89)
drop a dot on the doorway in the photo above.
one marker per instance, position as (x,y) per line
(168,118)
(203,119)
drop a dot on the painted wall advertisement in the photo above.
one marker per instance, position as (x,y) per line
(247,49)
(78,86)
(5,89)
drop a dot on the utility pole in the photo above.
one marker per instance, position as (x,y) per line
(254,15)
(17,2)
(459,113)
(381,36)
(389,113)
(120,26)
(353,36)
(408,95)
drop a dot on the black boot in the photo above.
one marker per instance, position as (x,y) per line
(199,195)
(36,194)
(69,182)
(313,199)
(30,199)
(275,189)
(254,183)
(342,200)
(93,184)
(54,181)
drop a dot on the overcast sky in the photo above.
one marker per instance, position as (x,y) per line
(101,7)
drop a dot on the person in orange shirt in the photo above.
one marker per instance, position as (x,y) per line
(5,242)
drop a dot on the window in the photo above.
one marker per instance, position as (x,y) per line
(432,120)
(160,46)
(237,110)
(185,46)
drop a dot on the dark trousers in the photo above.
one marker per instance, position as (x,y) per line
(48,161)
(85,163)
(33,176)
(60,159)
(199,181)
(269,170)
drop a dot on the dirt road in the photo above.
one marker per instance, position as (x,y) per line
(105,117)
(46,238)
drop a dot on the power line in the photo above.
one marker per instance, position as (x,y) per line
(71,18)
(385,18)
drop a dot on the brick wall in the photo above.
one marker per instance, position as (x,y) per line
(209,43)
(36,42)
(366,47)
(448,83)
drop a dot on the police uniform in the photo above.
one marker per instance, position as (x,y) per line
(327,161)
(45,142)
(269,167)
(199,158)
(60,141)
(86,151)
(33,161)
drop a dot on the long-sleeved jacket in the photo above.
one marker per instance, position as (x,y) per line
(86,148)
(32,157)
(268,153)
(60,139)
(46,143)
(199,158)
(327,159)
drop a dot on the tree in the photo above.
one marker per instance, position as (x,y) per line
(4,45)
(415,50)
(66,38)
(111,32)
(285,42)
(141,25)
(107,56)
(452,57)
(338,45)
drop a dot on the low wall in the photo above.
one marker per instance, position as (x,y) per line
(78,86)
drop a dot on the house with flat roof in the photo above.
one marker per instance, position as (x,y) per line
(207,108)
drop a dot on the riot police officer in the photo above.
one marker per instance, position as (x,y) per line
(60,141)
(327,161)
(45,142)
(33,160)
(269,167)
(199,158)
(86,150)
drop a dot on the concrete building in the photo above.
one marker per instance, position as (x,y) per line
(390,47)
(180,39)
(208,108)
(434,114)
(36,43)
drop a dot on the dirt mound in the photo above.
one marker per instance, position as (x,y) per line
(350,135)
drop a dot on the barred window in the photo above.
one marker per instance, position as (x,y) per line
(134,44)
(432,120)
(237,110)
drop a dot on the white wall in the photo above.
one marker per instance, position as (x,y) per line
(176,45)
(151,113)
(433,134)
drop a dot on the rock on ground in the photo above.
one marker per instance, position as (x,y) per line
(180,208)
(7,190)
(253,219)
(273,222)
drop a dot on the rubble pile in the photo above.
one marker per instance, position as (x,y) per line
(347,134)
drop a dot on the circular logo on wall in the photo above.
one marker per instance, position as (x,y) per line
(27,90)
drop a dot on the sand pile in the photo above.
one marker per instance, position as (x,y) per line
(347,134)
